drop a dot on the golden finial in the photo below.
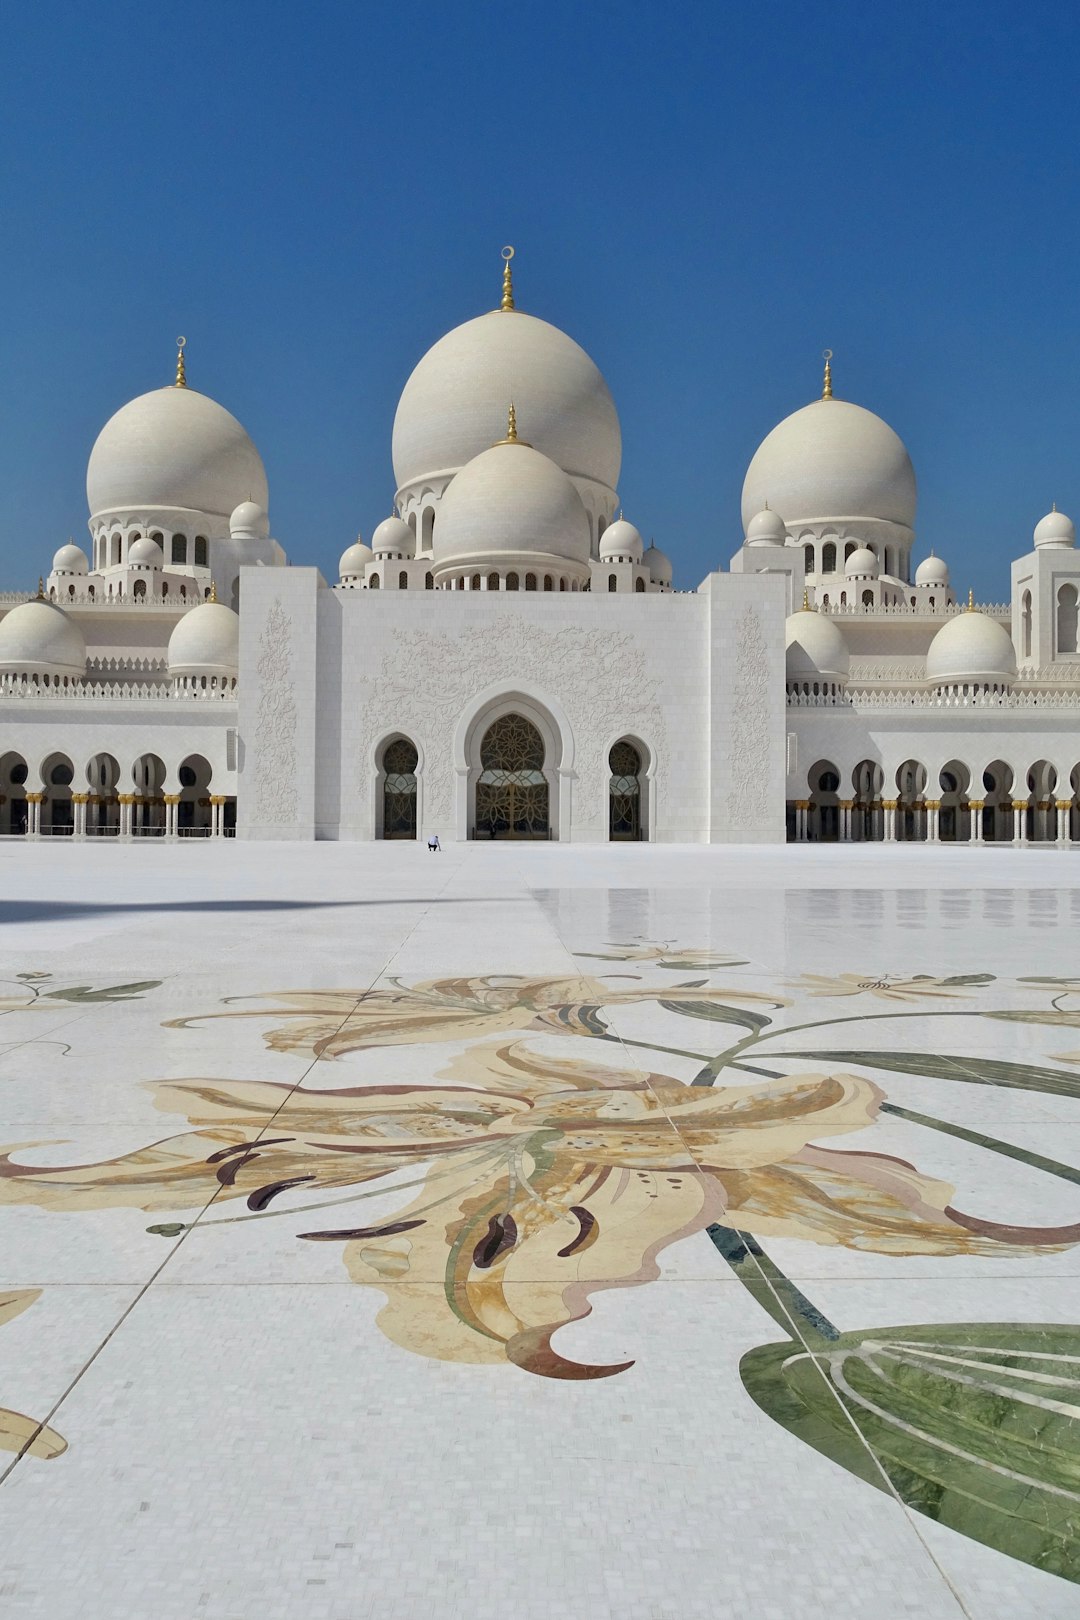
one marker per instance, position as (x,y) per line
(971,602)
(826,392)
(805,600)
(1053,506)
(40,589)
(213,591)
(181,374)
(508,280)
(511,429)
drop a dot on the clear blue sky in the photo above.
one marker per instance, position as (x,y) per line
(704,196)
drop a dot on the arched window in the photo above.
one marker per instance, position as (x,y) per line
(843,598)
(612,583)
(547,582)
(429,582)
(867,598)
(1066,619)
(475,582)
(828,558)
(825,600)
(91,592)
(808,558)
(511,790)
(202,551)
(493,582)
(373,583)
(562,584)
(530,582)
(164,588)
(178,553)
(403,580)
(399,789)
(639,585)
(852,545)
(116,542)
(427,528)
(139,588)
(624,793)
(511,582)
(1025,624)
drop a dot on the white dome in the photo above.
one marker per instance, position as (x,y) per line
(971,648)
(862,564)
(174,448)
(454,404)
(394,535)
(621,539)
(766,528)
(37,638)
(659,565)
(249,521)
(206,641)
(1056,530)
(354,559)
(146,552)
(511,502)
(815,648)
(70,559)
(832,459)
(932,571)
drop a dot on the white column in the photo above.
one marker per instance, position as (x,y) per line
(845,821)
(933,811)
(79,802)
(125,802)
(171,802)
(801,808)
(216,803)
(1019,806)
(889,808)
(1063,808)
(33,814)
(975,810)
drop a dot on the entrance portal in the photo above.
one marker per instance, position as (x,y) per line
(399,789)
(512,791)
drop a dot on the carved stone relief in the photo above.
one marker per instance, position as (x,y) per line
(428,680)
(749,787)
(275,726)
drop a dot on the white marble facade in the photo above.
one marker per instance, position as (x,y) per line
(179,679)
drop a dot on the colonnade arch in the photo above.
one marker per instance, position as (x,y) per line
(65,794)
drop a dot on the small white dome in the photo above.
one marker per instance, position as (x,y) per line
(394,535)
(70,559)
(174,447)
(862,564)
(455,402)
(354,559)
(971,648)
(206,641)
(659,565)
(621,539)
(815,648)
(147,553)
(1056,530)
(249,521)
(832,459)
(511,502)
(766,528)
(38,638)
(932,571)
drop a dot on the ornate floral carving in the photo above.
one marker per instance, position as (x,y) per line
(427,681)
(275,727)
(750,787)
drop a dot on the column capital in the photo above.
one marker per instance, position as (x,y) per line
(80,798)
(126,798)
(889,804)
(976,804)
(171,798)
(846,804)
(218,798)
(1020,804)
(932,804)
(1063,804)
(35,798)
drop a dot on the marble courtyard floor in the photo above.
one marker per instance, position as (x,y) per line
(539,1231)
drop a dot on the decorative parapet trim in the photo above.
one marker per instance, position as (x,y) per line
(864,699)
(108,692)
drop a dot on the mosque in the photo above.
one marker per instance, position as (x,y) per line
(507,659)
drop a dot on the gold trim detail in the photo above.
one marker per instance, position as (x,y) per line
(508,281)
(181,372)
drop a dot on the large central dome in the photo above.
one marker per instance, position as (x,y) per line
(174,447)
(832,459)
(454,404)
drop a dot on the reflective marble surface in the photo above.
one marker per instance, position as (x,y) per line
(537,1230)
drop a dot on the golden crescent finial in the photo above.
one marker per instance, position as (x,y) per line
(971,602)
(826,392)
(181,374)
(805,600)
(508,280)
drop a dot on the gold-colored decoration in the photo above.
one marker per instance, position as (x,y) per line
(624,793)
(508,280)
(512,791)
(826,392)
(971,602)
(213,591)
(806,600)
(399,764)
(40,589)
(181,373)
(511,429)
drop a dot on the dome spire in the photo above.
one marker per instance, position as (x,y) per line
(181,374)
(511,429)
(508,280)
(826,391)
(213,591)
(971,602)
(40,589)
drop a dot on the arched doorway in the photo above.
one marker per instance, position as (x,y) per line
(954,816)
(625,818)
(57,807)
(13,813)
(193,814)
(148,808)
(399,762)
(103,809)
(823,820)
(867,816)
(512,790)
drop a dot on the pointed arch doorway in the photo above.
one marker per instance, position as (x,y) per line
(512,800)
